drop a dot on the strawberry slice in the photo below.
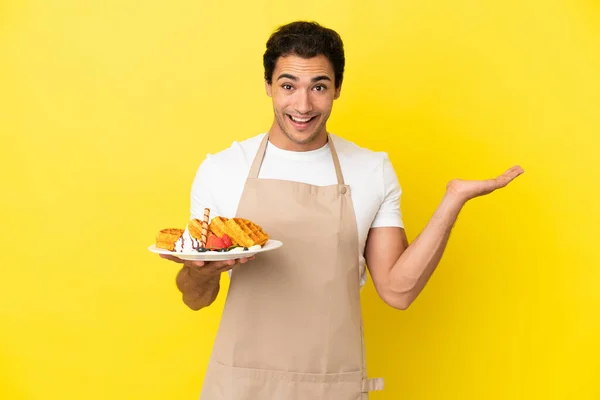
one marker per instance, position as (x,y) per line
(227,240)
(214,242)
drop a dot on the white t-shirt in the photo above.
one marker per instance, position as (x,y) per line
(220,180)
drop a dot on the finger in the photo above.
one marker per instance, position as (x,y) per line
(246,259)
(224,263)
(514,172)
(217,269)
(517,170)
(226,268)
(231,264)
(171,258)
(508,176)
(219,266)
(194,263)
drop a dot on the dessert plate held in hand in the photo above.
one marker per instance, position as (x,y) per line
(218,255)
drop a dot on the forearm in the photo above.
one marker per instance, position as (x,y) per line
(198,291)
(416,264)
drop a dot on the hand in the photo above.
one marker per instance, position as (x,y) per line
(207,268)
(468,189)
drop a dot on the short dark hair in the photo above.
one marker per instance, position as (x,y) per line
(306,40)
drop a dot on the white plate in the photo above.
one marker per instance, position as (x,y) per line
(217,256)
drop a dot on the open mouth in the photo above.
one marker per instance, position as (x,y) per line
(301,122)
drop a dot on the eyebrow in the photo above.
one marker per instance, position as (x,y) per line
(294,78)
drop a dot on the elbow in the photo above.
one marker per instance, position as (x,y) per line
(402,306)
(193,304)
(398,300)
(399,296)
(194,307)
(401,303)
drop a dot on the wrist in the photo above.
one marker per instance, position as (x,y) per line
(202,274)
(453,200)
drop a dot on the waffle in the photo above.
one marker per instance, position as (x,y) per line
(242,232)
(195,229)
(217,227)
(199,229)
(166,238)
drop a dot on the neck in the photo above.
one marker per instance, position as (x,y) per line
(279,139)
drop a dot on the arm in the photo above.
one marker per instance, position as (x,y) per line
(199,282)
(198,290)
(401,271)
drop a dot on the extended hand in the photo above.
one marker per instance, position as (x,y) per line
(209,268)
(468,189)
(198,281)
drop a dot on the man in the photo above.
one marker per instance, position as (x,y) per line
(292,327)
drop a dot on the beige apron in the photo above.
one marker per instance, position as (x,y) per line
(292,324)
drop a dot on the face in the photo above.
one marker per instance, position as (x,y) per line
(303,91)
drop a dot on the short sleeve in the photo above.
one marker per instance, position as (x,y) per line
(202,193)
(389,213)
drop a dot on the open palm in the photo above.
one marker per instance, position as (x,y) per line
(468,189)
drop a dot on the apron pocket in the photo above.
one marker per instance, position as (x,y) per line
(223,382)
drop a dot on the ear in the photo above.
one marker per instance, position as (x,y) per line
(338,92)
(268,89)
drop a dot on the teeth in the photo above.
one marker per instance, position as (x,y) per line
(295,119)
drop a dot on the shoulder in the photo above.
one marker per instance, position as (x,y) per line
(352,155)
(220,178)
(239,153)
(371,171)
(230,164)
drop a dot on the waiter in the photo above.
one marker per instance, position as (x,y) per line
(291,327)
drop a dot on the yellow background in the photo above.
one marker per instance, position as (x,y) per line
(108,107)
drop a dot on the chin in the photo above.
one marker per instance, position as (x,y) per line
(303,138)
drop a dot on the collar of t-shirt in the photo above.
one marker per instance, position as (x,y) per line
(310,155)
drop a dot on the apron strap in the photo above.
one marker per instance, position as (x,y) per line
(336,161)
(370,385)
(260,156)
(258,159)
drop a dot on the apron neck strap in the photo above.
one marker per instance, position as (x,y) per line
(260,155)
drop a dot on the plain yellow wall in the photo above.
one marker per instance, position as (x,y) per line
(108,107)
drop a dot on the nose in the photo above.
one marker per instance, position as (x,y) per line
(303,104)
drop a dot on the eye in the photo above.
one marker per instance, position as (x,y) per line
(320,88)
(286,86)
